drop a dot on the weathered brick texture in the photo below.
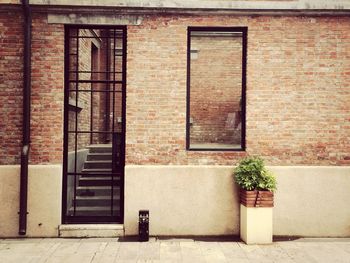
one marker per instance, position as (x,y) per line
(47,89)
(11,68)
(298,90)
(298,94)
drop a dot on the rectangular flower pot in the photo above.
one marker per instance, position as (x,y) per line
(256,198)
(256,216)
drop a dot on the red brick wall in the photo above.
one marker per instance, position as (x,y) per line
(11,70)
(297,90)
(47,90)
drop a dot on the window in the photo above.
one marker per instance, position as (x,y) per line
(216,68)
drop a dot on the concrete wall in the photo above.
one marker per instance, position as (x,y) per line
(202,200)
(190,200)
(44,200)
(312,201)
(81,158)
(183,200)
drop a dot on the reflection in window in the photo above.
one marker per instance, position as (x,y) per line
(216,84)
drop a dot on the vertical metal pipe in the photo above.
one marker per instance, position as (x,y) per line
(26,118)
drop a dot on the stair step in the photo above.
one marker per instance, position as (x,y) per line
(91,230)
(98,197)
(105,164)
(97,171)
(109,175)
(97,190)
(99,156)
(96,200)
(99,161)
(94,210)
(98,181)
(99,178)
(100,148)
(101,145)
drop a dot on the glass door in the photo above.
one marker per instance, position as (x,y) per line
(94,127)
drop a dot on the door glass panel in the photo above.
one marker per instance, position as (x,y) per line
(94,123)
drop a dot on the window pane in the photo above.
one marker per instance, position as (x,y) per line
(215,120)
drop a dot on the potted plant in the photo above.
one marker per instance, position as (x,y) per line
(257,185)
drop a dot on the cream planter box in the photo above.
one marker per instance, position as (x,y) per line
(256,225)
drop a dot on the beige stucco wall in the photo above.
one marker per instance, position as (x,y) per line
(312,201)
(183,200)
(190,200)
(44,200)
(201,200)
(10,1)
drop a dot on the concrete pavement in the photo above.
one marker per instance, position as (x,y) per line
(105,250)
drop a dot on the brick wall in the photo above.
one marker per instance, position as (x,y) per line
(297,90)
(47,89)
(11,72)
(298,93)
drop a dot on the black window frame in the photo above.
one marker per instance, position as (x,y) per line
(244,31)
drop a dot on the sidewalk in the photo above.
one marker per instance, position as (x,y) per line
(106,250)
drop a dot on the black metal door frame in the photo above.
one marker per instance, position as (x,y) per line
(67,71)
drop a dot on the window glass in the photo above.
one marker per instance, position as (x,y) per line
(215,89)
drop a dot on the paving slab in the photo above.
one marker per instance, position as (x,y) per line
(212,252)
(109,250)
(170,251)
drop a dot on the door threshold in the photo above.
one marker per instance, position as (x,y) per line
(91,230)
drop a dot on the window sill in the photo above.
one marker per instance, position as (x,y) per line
(215,147)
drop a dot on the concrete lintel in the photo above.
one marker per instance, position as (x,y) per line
(197,12)
(111,11)
(94,19)
(206,4)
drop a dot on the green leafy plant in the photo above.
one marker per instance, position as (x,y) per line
(251,174)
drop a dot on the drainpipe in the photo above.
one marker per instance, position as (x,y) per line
(26,118)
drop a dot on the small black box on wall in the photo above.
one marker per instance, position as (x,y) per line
(143,225)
